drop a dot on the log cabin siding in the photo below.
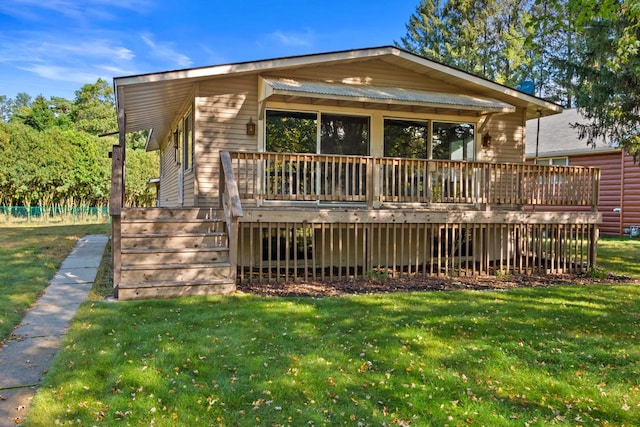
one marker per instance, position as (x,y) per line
(619,183)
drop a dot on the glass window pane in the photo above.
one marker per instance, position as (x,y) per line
(291,132)
(347,135)
(453,141)
(405,138)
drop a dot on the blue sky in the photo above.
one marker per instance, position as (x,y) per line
(53,47)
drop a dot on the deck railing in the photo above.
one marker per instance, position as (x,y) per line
(230,201)
(377,180)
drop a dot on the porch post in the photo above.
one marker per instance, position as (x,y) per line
(116,200)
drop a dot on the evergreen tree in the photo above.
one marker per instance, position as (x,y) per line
(606,67)
(488,38)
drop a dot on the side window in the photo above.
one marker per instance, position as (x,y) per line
(187,151)
(176,146)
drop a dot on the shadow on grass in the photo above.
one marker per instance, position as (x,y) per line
(562,355)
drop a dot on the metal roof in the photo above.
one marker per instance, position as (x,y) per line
(387,95)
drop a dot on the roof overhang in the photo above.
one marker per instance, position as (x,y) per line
(375,95)
(154,101)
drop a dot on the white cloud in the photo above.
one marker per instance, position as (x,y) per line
(41,10)
(166,52)
(66,74)
(293,38)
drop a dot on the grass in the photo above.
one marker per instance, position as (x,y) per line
(619,255)
(563,355)
(29,257)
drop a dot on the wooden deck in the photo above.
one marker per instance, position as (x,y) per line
(303,218)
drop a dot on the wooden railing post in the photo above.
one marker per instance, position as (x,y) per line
(115,210)
(595,193)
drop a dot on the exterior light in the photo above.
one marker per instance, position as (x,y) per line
(486,140)
(251,127)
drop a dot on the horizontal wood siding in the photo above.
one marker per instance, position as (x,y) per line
(507,133)
(168,195)
(374,72)
(224,106)
(610,191)
(188,190)
(619,184)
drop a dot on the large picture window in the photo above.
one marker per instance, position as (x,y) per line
(345,135)
(453,141)
(410,139)
(291,132)
(297,132)
(406,138)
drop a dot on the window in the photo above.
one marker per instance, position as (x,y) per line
(297,132)
(176,146)
(554,161)
(291,132)
(453,141)
(406,138)
(410,139)
(187,152)
(345,135)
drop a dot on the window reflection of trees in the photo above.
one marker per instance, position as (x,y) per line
(406,139)
(453,141)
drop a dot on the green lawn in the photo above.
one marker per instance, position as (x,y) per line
(29,257)
(619,255)
(562,355)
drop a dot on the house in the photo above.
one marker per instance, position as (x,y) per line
(558,144)
(338,166)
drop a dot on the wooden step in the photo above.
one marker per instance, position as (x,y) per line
(149,256)
(172,289)
(174,240)
(170,213)
(164,226)
(175,272)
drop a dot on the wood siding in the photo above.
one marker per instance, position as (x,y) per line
(223,107)
(168,192)
(619,201)
(619,184)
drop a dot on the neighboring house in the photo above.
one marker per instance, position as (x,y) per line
(558,144)
(337,166)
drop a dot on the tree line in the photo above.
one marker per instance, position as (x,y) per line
(578,53)
(52,152)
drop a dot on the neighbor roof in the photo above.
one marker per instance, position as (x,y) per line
(152,101)
(558,138)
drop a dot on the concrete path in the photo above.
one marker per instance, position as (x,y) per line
(25,359)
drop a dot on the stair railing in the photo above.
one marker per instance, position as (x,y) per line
(230,201)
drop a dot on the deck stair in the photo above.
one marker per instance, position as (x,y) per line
(174,252)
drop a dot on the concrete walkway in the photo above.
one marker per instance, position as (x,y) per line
(25,359)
